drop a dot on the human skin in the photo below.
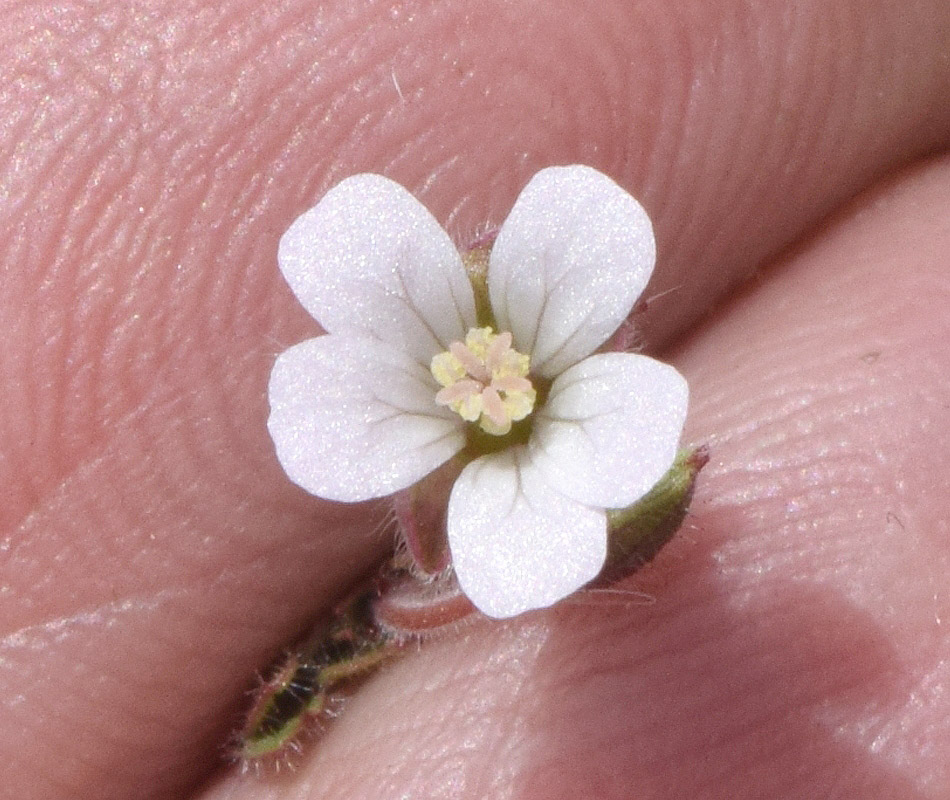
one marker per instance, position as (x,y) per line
(154,557)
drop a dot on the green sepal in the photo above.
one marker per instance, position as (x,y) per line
(476,267)
(637,533)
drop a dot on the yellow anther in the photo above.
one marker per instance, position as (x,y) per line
(485,380)
(447,369)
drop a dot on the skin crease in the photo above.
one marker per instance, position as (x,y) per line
(152,554)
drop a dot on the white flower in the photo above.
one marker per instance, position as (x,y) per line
(358,413)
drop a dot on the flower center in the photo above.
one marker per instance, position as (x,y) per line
(484,380)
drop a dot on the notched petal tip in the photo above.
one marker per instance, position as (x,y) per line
(352,418)
(369,259)
(517,544)
(569,263)
(611,428)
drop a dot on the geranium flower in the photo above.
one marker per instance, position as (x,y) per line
(408,376)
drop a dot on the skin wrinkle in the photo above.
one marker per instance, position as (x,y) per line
(462,710)
(205,359)
(27,638)
(66,632)
(717,65)
(89,663)
(720,747)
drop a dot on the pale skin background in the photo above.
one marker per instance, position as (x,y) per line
(153,556)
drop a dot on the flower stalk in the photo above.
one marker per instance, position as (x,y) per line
(400,605)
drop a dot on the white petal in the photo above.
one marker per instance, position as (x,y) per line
(610,428)
(569,262)
(369,259)
(516,543)
(353,418)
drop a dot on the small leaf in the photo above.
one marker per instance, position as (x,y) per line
(281,704)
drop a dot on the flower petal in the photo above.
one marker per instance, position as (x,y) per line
(353,418)
(610,428)
(568,264)
(516,543)
(369,259)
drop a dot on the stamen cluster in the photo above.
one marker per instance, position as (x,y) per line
(484,380)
